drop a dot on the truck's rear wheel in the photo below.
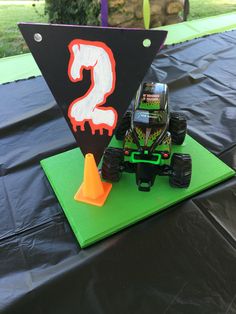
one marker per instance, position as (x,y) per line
(178,127)
(181,165)
(123,126)
(112,163)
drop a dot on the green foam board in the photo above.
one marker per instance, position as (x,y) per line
(125,204)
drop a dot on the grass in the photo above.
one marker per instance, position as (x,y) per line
(12,43)
(200,8)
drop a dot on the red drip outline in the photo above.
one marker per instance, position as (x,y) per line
(93,126)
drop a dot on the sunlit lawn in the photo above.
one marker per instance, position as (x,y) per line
(200,8)
(11,41)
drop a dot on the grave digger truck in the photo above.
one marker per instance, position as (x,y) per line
(148,132)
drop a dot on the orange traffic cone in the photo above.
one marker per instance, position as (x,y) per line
(92,190)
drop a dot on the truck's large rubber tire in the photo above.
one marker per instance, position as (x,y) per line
(181,165)
(178,127)
(123,126)
(112,163)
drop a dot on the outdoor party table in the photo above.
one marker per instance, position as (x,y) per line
(179,261)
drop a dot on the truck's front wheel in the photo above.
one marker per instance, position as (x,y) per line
(112,164)
(181,165)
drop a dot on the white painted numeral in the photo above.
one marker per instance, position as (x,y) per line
(98,58)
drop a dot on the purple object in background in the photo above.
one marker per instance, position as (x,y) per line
(104,12)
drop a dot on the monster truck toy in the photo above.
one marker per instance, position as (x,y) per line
(147,132)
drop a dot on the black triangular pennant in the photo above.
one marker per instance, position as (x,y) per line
(93,73)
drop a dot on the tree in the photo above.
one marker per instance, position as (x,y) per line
(83,12)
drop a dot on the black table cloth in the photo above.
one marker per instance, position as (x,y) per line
(182,260)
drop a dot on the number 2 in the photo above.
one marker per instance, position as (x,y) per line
(98,58)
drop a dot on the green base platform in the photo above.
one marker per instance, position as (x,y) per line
(125,204)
